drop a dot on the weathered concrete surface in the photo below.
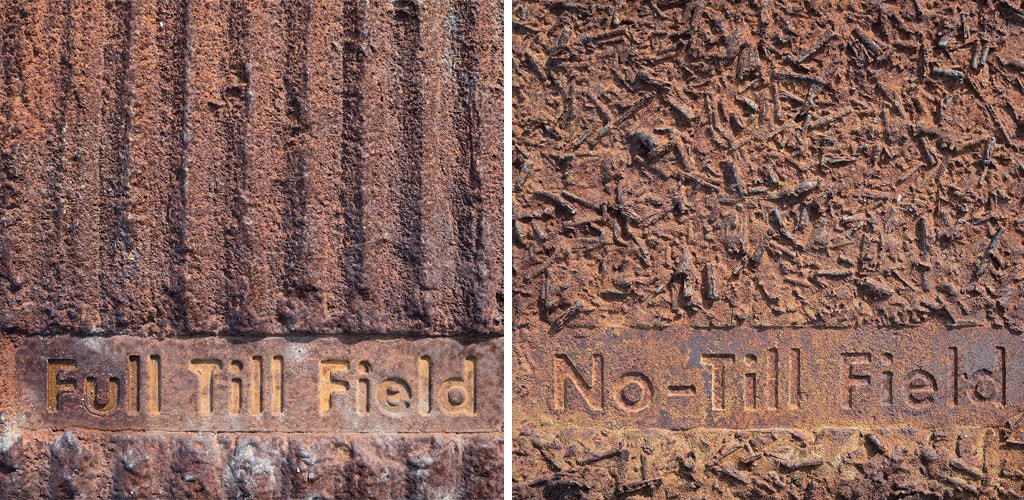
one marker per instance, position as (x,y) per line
(734,218)
(209,189)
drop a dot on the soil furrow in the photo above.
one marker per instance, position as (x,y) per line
(410,148)
(83,194)
(468,180)
(207,168)
(299,285)
(120,263)
(174,44)
(352,196)
(237,124)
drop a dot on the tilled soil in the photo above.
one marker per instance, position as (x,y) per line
(245,169)
(711,168)
(197,167)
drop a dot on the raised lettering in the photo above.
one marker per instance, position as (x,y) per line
(57,381)
(921,387)
(394,396)
(633,392)
(717,363)
(458,394)
(565,373)
(855,375)
(329,384)
(204,369)
(92,397)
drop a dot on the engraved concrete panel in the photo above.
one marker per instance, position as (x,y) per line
(744,378)
(250,249)
(767,249)
(220,384)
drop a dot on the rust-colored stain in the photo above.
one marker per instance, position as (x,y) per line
(250,248)
(767,249)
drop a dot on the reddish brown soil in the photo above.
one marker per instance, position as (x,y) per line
(248,168)
(197,167)
(699,166)
(870,197)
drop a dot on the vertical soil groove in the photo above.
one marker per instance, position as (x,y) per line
(56,175)
(410,150)
(298,282)
(238,267)
(12,67)
(354,60)
(176,50)
(466,123)
(183,168)
(116,160)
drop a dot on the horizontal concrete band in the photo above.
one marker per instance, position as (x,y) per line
(681,378)
(98,464)
(265,385)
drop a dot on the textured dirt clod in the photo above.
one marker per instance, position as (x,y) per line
(716,175)
(86,464)
(218,172)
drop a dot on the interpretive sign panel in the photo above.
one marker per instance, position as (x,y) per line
(251,249)
(768,249)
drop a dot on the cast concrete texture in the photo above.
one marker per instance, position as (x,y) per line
(324,173)
(768,249)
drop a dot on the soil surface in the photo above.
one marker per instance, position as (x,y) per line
(179,168)
(722,169)
(245,169)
